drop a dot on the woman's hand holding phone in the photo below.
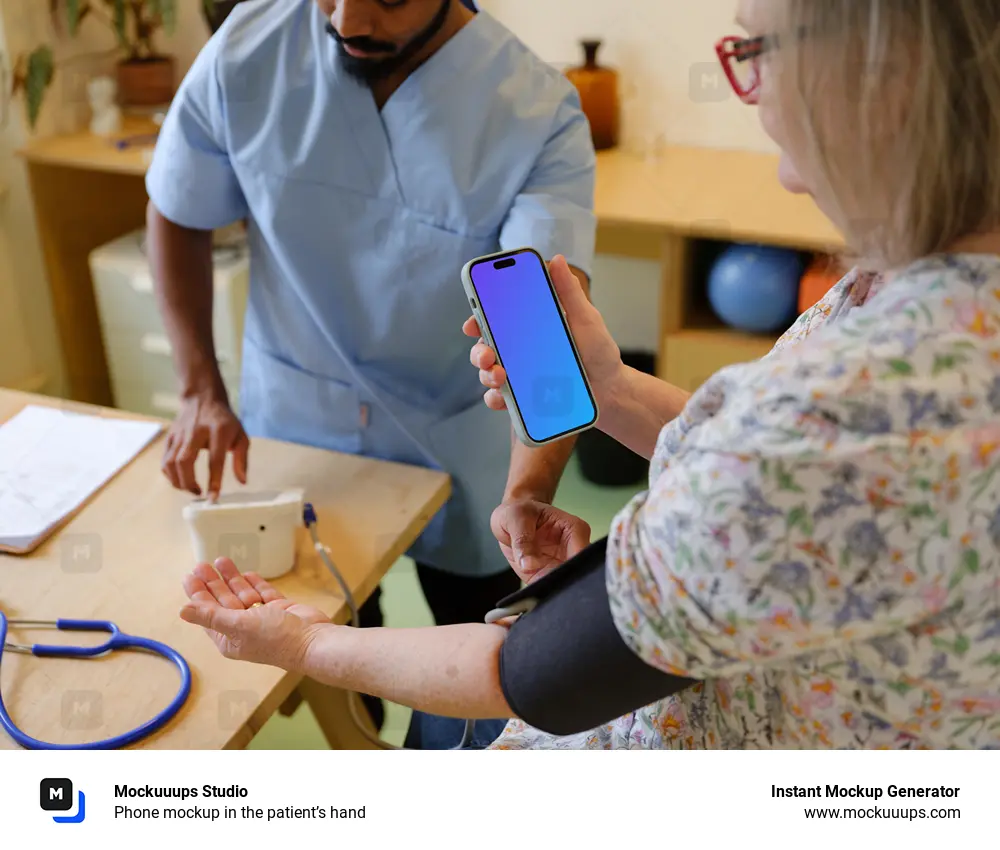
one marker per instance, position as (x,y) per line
(601,356)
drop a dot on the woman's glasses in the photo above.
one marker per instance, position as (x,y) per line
(740,58)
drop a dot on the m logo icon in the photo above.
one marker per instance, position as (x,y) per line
(242,549)
(56,795)
(552,396)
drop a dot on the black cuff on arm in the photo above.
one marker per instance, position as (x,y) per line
(564,667)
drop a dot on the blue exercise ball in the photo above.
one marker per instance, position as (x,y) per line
(755,288)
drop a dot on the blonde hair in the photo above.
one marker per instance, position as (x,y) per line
(897,105)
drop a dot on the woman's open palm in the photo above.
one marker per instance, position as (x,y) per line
(246,617)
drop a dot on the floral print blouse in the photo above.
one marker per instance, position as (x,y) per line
(820,542)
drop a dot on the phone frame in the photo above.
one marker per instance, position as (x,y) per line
(515,413)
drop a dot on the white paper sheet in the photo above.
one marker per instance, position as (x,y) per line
(52,461)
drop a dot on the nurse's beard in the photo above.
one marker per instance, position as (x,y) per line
(372,70)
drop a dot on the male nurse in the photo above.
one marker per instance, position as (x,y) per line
(373,147)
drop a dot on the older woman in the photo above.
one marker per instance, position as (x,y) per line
(820,543)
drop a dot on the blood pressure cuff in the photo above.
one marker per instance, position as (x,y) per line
(564,667)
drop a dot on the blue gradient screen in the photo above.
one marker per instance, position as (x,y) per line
(528,333)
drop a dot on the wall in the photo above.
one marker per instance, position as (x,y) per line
(191,34)
(673,92)
(30,355)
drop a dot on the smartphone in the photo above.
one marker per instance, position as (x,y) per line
(547,392)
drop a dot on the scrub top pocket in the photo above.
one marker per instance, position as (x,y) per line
(280,401)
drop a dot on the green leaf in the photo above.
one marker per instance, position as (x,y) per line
(982,481)
(970,560)
(72,15)
(38,76)
(946,362)
(900,688)
(993,659)
(961,645)
(684,556)
(921,510)
(165,11)
(941,643)
(900,367)
(962,725)
(786,481)
(120,20)
(796,516)
(168,13)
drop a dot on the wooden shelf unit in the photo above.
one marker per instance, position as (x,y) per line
(88,192)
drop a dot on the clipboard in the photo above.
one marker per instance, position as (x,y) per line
(53,461)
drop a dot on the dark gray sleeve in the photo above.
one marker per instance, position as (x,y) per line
(564,667)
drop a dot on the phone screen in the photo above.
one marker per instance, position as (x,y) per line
(532,341)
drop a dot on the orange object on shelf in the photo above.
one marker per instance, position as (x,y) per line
(822,275)
(598,89)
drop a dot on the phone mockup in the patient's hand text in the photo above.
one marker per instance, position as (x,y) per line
(547,391)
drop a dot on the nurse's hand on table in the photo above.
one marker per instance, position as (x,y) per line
(601,357)
(205,422)
(276,633)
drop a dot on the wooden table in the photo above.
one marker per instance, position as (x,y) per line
(86,193)
(135,548)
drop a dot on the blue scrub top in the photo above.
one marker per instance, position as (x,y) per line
(360,223)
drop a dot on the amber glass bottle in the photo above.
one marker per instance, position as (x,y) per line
(598,88)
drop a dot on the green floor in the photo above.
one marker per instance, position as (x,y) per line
(404,606)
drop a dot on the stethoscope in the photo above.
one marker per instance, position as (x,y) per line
(118,641)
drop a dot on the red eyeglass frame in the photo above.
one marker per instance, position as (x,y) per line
(734,48)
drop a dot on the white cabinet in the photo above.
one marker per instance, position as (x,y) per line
(135,341)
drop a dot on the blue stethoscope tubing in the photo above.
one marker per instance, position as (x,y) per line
(117,641)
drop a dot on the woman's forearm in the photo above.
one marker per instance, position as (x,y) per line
(638,408)
(452,671)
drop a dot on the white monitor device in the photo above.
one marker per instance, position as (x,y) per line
(257,531)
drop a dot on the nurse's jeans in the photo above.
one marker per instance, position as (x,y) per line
(429,732)
(453,600)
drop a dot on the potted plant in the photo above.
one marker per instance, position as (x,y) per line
(146,77)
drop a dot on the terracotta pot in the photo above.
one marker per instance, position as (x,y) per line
(147,82)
